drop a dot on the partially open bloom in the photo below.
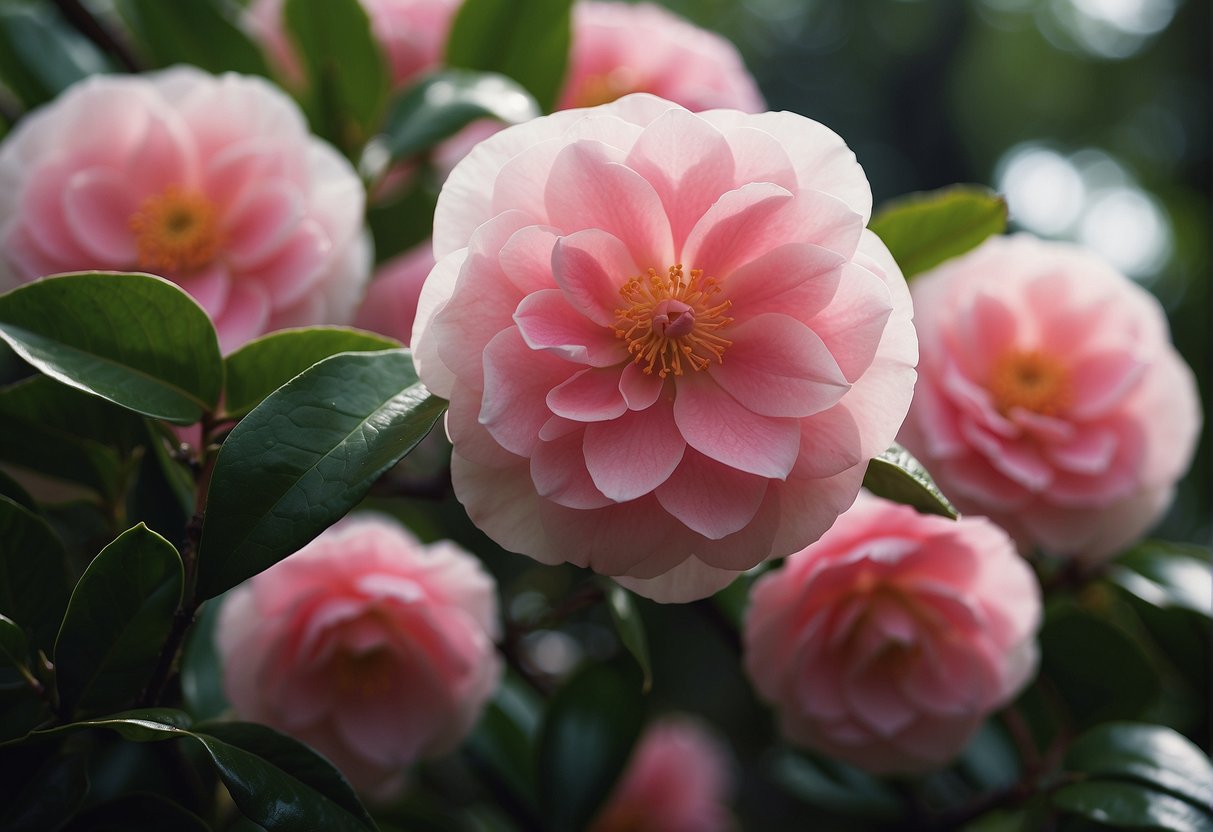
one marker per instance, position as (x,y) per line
(620,48)
(367,645)
(212,182)
(1050,397)
(412,34)
(669,343)
(678,780)
(888,641)
(391,300)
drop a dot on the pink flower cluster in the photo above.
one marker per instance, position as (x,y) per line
(669,343)
(212,182)
(1050,398)
(888,641)
(678,780)
(367,645)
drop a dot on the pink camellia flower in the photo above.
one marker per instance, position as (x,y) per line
(391,299)
(669,343)
(678,780)
(621,48)
(212,182)
(367,645)
(888,641)
(1050,397)
(412,34)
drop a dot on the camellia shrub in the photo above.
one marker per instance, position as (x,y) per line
(485,415)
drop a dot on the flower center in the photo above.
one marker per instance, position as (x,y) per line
(366,672)
(670,321)
(176,231)
(1029,379)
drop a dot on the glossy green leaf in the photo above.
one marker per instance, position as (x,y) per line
(197,32)
(527,40)
(40,54)
(1167,575)
(502,745)
(262,366)
(347,72)
(923,230)
(12,489)
(134,339)
(137,812)
(118,618)
(305,456)
(1097,668)
(279,782)
(33,575)
(896,475)
(445,102)
(137,725)
(629,626)
(201,669)
(400,222)
(835,786)
(592,723)
(1131,806)
(1154,754)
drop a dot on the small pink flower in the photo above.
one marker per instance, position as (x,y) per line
(1050,398)
(621,48)
(367,645)
(888,641)
(213,182)
(669,343)
(412,34)
(678,780)
(391,299)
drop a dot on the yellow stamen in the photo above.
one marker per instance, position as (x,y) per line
(670,322)
(176,231)
(1029,379)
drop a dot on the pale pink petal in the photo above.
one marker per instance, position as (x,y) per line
(517,380)
(1099,382)
(261,221)
(244,316)
(635,453)
(294,267)
(166,156)
(690,580)
(546,321)
(779,367)
(591,395)
(854,322)
(640,389)
(1087,453)
(711,499)
(210,287)
(558,469)
(591,266)
(435,291)
(799,279)
(98,205)
(526,258)
(718,426)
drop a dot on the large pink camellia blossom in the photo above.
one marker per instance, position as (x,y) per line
(621,48)
(367,645)
(678,780)
(887,642)
(669,343)
(1050,397)
(212,182)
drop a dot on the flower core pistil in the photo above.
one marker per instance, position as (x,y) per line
(176,231)
(670,322)
(1029,379)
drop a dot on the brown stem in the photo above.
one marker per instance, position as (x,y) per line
(89,26)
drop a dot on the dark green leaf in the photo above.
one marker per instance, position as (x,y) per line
(1131,806)
(1097,668)
(587,736)
(1154,754)
(137,812)
(14,645)
(262,366)
(136,340)
(445,102)
(195,32)
(141,725)
(40,55)
(1167,575)
(201,670)
(835,786)
(896,475)
(12,489)
(401,222)
(118,618)
(629,626)
(502,745)
(279,782)
(305,456)
(347,73)
(33,578)
(527,40)
(923,230)
(54,796)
